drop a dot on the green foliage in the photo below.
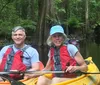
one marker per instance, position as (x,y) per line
(94,15)
(5,27)
(25,13)
(11,15)
(29,25)
(73,22)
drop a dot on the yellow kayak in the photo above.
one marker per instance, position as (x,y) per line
(23,81)
(84,79)
(91,78)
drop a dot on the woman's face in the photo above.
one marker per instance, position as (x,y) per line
(57,39)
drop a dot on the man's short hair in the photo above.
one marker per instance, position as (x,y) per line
(17,28)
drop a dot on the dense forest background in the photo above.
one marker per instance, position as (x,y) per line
(80,19)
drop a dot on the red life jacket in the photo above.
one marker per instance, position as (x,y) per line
(15,63)
(65,60)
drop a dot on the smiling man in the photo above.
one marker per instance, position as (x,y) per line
(19,56)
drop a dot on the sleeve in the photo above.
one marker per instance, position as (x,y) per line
(34,55)
(3,50)
(72,50)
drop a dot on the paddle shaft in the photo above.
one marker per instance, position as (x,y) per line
(45,72)
(90,72)
(48,72)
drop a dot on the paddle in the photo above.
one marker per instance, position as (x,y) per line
(44,72)
(48,72)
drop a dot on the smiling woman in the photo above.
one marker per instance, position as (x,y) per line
(57,39)
(58,30)
(61,58)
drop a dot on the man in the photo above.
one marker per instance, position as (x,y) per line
(30,55)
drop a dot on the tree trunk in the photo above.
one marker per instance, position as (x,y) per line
(42,29)
(86,28)
(66,6)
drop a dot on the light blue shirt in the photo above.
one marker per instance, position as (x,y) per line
(30,55)
(72,49)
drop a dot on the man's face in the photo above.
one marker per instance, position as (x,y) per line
(19,37)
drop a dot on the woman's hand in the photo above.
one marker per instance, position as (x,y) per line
(71,69)
(27,76)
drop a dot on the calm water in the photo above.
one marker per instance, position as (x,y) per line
(92,49)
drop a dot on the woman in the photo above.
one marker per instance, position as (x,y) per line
(61,58)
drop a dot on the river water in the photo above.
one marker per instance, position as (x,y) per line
(92,51)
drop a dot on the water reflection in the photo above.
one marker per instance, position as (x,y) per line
(92,50)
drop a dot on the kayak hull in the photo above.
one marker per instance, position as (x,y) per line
(84,79)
